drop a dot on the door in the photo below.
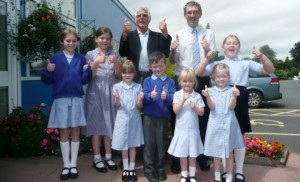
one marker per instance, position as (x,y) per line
(4,75)
(8,67)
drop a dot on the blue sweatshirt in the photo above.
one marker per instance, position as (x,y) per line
(157,107)
(67,78)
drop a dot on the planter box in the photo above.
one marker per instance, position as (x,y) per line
(264,161)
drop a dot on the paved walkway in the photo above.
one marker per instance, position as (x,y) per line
(47,169)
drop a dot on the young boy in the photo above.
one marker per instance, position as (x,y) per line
(158,96)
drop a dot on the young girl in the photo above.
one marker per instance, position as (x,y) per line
(128,132)
(186,142)
(239,71)
(67,70)
(223,133)
(99,109)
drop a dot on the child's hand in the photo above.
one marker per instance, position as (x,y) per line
(153,93)
(205,91)
(175,43)
(257,52)
(185,95)
(192,105)
(85,67)
(116,94)
(210,55)
(99,59)
(163,94)
(50,66)
(235,91)
(141,94)
(113,58)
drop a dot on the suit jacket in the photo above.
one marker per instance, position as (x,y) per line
(131,47)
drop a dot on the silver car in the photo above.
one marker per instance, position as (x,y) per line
(263,88)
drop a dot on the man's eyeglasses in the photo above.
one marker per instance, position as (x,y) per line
(141,15)
(190,13)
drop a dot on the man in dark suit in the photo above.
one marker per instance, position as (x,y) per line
(136,45)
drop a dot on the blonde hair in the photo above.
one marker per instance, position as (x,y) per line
(231,36)
(187,74)
(128,67)
(218,67)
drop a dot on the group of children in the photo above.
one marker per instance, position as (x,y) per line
(111,108)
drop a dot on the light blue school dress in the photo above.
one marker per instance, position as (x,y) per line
(223,133)
(128,131)
(186,140)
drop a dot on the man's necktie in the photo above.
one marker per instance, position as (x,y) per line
(196,51)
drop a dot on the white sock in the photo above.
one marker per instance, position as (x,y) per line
(239,156)
(107,156)
(74,153)
(108,159)
(228,177)
(218,176)
(98,158)
(125,164)
(192,171)
(184,173)
(65,152)
(131,166)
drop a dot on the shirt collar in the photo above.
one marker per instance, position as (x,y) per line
(231,59)
(163,78)
(190,29)
(221,90)
(127,86)
(145,34)
(108,52)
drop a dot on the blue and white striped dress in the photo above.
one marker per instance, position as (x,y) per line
(128,131)
(223,133)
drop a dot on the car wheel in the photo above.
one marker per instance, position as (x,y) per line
(254,99)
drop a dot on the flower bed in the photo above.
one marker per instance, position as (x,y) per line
(259,151)
(25,133)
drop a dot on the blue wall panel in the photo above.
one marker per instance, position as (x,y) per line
(35,92)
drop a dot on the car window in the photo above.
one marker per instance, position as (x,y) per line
(258,75)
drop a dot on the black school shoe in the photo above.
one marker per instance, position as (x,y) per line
(133,176)
(238,179)
(65,176)
(99,169)
(111,167)
(73,175)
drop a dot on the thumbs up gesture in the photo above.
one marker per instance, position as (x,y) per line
(235,91)
(50,66)
(153,93)
(86,66)
(100,59)
(257,52)
(163,94)
(185,95)
(175,43)
(205,91)
(141,94)
(126,28)
(205,44)
(163,27)
(116,94)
